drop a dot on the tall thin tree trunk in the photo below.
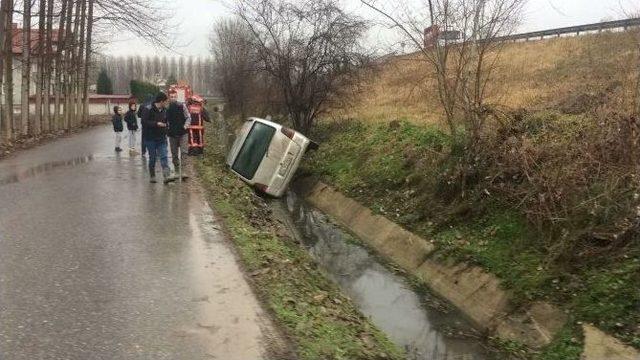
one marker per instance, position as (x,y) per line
(4,35)
(73,62)
(49,65)
(79,70)
(40,123)
(26,125)
(58,65)
(69,43)
(8,70)
(87,64)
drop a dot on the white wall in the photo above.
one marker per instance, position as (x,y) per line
(17,81)
(107,109)
(94,109)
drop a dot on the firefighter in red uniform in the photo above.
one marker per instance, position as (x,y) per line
(199,114)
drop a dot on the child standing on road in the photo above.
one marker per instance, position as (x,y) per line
(117,126)
(132,125)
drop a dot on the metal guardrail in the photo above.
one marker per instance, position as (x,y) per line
(606,25)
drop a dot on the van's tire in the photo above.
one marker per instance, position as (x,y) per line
(313,146)
(262,194)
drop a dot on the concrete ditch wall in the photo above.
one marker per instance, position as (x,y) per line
(475,292)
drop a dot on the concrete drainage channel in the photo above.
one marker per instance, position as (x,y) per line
(413,321)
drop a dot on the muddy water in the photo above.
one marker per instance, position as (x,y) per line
(426,332)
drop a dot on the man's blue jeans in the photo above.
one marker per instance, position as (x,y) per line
(158,148)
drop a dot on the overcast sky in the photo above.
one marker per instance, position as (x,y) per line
(196,17)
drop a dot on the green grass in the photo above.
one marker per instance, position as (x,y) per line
(566,345)
(406,173)
(322,322)
(500,242)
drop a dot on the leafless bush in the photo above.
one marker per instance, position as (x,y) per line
(308,48)
(575,177)
(235,64)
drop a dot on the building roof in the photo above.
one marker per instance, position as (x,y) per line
(35,38)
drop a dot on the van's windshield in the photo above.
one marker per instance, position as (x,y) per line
(253,150)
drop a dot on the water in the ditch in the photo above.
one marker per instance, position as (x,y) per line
(425,332)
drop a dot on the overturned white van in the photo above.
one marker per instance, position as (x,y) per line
(266,155)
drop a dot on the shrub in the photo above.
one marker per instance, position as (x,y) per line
(142,90)
(104,84)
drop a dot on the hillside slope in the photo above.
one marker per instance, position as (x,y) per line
(548,199)
(571,74)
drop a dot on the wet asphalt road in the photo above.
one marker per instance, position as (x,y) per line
(96,263)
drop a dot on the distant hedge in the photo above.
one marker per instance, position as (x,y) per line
(142,90)
(104,84)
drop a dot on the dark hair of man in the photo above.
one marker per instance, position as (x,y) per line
(160,97)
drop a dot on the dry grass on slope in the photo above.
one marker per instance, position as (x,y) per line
(569,74)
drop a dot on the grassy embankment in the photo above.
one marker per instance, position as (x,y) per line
(322,323)
(549,201)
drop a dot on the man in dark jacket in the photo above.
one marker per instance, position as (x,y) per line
(179,120)
(154,121)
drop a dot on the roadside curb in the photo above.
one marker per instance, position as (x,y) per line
(598,346)
(475,292)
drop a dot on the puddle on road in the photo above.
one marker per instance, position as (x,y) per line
(43,168)
(425,332)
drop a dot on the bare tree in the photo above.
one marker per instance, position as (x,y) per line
(48,59)
(59,62)
(70,61)
(235,62)
(181,75)
(7,10)
(459,47)
(64,56)
(3,38)
(87,61)
(307,47)
(39,121)
(25,127)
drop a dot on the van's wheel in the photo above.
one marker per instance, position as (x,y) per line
(261,193)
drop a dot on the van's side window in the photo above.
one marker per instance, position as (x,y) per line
(253,149)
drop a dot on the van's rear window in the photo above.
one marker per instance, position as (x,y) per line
(253,150)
